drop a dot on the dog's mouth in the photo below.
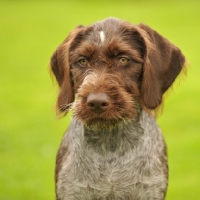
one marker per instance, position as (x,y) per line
(102,110)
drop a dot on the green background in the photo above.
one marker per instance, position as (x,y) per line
(30,133)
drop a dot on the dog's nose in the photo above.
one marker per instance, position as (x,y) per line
(98,102)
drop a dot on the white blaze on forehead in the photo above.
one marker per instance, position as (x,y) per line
(102,36)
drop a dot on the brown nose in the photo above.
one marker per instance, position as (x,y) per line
(98,102)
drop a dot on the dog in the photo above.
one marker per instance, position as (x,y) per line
(113,75)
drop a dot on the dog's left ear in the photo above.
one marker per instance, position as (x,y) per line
(61,69)
(163,62)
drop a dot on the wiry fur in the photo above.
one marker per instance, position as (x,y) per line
(118,153)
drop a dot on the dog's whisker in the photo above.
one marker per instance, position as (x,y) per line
(65,107)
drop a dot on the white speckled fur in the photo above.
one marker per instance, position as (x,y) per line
(133,168)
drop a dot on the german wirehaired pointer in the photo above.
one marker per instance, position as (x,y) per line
(113,75)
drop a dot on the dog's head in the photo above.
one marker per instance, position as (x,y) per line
(130,63)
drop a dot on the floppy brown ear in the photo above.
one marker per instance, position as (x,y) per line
(61,69)
(163,62)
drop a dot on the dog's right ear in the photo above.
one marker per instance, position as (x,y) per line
(61,69)
(163,63)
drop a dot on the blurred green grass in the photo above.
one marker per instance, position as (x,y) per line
(30,134)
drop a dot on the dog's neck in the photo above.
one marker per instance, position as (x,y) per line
(123,136)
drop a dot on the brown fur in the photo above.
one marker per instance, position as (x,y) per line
(160,61)
(129,88)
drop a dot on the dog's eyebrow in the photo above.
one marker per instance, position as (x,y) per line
(86,49)
(121,48)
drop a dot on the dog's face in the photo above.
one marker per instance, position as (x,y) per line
(128,67)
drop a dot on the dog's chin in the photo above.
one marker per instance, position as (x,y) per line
(99,123)
(105,120)
(102,123)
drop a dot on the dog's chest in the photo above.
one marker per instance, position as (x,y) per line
(108,172)
(98,177)
(124,168)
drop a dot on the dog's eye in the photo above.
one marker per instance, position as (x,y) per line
(123,60)
(83,62)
